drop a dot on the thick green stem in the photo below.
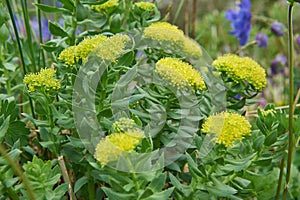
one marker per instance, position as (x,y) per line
(41,38)
(280,178)
(74,23)
(291,99)
(178,11)
(91,185)
(20,49)
(28,32)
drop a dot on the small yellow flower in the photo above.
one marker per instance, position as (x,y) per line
(113,47)
(242,69)
(105,6)
(111,147)
(179,74)
(82,50)
(270,112)
(43,80)
(191,48)
(68,55)
(228,127)
(165,32)
(124,124)
(89,44)
(147,6)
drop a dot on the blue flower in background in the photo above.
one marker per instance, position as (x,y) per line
(277,28)
(45,29)
(262,40)
(240,21)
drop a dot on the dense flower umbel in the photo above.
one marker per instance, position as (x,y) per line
(191,48)
(240,21)
(87,45)
(42,81)
(165,32)
(179,74)
(124,124)
(112,146)
(105,6)
(242,69)
(113,47)
(147,6)
(82,50)
(228,127)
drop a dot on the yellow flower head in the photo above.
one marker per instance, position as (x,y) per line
(82,50)
(163,31)
(68,55)
(271,112)
(147,6)
(89,44)
(228,127)
(124,124)
(179,74)
(242,69)
(191,48)
(111,147)
(43,80)
(105,6)
(113,47)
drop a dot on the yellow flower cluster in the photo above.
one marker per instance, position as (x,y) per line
(228,127)
(112,146)
(191,48)
(107,48)
(82,50)
(124,124)
(43,80)
(242,69)
(113,47)
(105,6)
(179,74)
(147,6)
(270,112)
(165,32)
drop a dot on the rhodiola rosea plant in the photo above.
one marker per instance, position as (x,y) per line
(118,103)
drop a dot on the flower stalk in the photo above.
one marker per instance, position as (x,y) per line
(43,64)
(20,49)
(291,99)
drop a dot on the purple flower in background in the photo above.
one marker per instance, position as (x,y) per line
(280,60)
(277,28)
(237,96)
(141,55)
(51,3)
(262,102)
(297,38)
(262,40)
(240,21)
(20,25)
(45,29)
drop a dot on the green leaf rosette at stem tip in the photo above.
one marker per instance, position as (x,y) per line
(293,1)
